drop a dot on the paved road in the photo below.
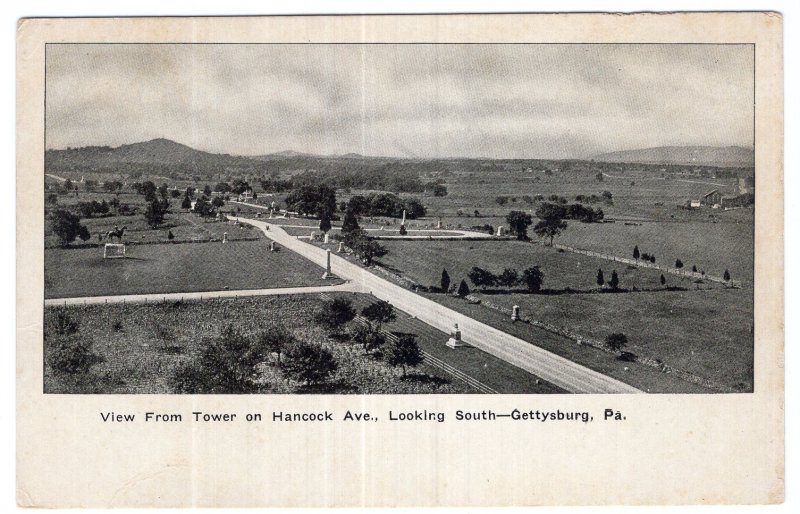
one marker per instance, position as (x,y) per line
(202,295)
(385,233)
(550,367)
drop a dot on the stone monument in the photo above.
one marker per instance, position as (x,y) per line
(272,246)
(515,313)
(501,231)
(455,337)
(328,273)
(224,237)
(326,240)
(341,247)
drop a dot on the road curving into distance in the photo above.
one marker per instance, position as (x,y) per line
(550,367)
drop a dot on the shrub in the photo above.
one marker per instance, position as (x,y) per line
(309,363)
(678,263)
(405,352)
(71,354)
(379,312)
(276,339)
(403,230)
(616,341)
(533,278)
(336,314)
(726,276)
(445,281)
(369,337)
(614,282)
(481,277)
(463,289)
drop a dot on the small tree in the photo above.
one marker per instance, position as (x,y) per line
(439,190)
(309,363)
(481,277)
(186,203)
(379,312)
(636,252)
(600,279)
(508,278)
(335,314)
(325,221)
(518,223)
(726,276)
(653,259)
(350,222)
(663,280)
(207,190)
(403,230)
(616,342)
(170,235)
(678,263)
(405,352)
(614,282)
(225,365)
(276,339)
(694,269)
(550,227)
(445,281)
(463,289)
(599,176)
(533,279)
(370,338)
(154,214)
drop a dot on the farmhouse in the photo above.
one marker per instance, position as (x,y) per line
(711,198)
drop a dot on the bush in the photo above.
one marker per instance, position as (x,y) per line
(403,230)
(405,352)
(445,281)
(309,363)
(616,341)
(463,289)
(335,314)
(369,337)
(71,354)
(533,278)
(225,365)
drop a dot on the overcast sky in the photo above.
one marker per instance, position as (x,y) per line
(502,101)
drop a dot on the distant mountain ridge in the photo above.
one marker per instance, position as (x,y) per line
(727,156)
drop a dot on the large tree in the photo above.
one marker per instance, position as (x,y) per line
(312,200)
(519,222)
(551,222)
(365,248)
(67,226)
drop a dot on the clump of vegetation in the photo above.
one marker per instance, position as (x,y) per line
(405,352)
(616,341)
(67,226)
(309,363)
(335,314)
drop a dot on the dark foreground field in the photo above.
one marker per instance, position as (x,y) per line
(168,268)
(140,347)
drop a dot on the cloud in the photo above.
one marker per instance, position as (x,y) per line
(430,100)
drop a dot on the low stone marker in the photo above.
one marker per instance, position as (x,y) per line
(341,247)
(272,246)
(501,231)
(455,337)
(224,237)
(326,240)
(515,313)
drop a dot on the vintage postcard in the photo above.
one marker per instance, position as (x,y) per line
(440,260)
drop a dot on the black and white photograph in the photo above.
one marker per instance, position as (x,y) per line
(399,218)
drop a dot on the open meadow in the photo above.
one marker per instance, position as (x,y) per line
(175,268)
(704,329)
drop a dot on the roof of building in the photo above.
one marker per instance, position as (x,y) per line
(711,193)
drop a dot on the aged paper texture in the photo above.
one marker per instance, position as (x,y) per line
(332,261)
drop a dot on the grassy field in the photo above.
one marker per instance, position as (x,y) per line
(141,345)
(712,247)
(166,268)
(706,332)
(423,261)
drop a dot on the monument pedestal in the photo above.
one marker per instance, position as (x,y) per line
(455,338)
